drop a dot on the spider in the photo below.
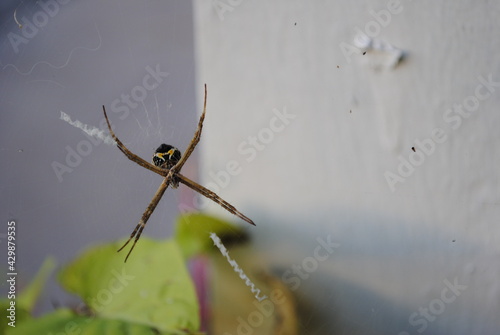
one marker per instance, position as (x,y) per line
(167,162)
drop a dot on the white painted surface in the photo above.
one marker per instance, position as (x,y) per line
(323,173)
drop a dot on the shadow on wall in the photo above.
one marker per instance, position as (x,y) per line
(380,277)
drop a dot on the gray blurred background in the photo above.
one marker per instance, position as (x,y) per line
(64,190)
(316,117)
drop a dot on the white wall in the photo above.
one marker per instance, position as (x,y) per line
(354,118)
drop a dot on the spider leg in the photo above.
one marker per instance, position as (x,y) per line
(196,138)
(145,217)
(212,196)
(129,154)
(170,175)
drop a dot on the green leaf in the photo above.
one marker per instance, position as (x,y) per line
(64,321)
(153,288)
(18,315)
(192,232)
(25,301)
(30,294)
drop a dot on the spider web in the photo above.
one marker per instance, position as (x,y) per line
(67,190)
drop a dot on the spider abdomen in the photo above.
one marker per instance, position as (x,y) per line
(166,156)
